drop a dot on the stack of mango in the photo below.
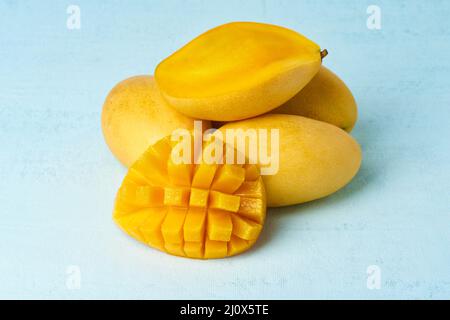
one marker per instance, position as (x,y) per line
(240,76)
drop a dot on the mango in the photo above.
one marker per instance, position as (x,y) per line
(238,70)
(136,116)
(195,210)
(325,98)
(315,158)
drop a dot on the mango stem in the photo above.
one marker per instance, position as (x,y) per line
(323,53)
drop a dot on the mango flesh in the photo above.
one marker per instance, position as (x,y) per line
(325,98)
(237,70)
(315,158)
(200,211)
(135,116)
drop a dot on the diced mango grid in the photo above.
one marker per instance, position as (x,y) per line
(198,211)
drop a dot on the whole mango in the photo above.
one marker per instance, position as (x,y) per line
(238,70)
(325,98)
(135,116)
(315,158)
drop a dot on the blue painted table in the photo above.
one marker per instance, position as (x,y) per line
(58,179)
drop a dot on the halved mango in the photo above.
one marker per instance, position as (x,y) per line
(215,212)
(237,71)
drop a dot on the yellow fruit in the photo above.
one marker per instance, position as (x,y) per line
(315,158)
(135,116)
(199,210)
(238,70)
(325,98)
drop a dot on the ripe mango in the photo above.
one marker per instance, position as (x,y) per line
(135,116)
(315,158)
(201,210)
(238,70)
(325,98)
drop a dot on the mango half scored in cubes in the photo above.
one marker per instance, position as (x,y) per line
(191,210)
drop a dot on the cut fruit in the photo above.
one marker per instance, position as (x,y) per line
(237,245)
(194,225)
(204,175)
(228,178)
(172,227)
(200,211)
(215,249)
(175,196)
(199,198)
(219,225)
(223,201)
(251,208)
(194,249)
(251,172)
(251,189)
(244,228)
(238,70)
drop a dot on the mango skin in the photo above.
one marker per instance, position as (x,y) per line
(136,116)
(316,158)
(238,70)
(326,98)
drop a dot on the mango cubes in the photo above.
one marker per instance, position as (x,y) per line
(194,210)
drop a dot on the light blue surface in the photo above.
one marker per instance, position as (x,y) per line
(58,179)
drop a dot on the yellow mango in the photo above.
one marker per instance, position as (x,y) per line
(325,98)
(238,245)
(315,160)
(135,116)
(223,201)
(229,178)
(251,172)
(193,249)
(199,198)
(244,228)
(172,227)
(217,211)
(238,70)
(194,225)
(220,225)
(215,249)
